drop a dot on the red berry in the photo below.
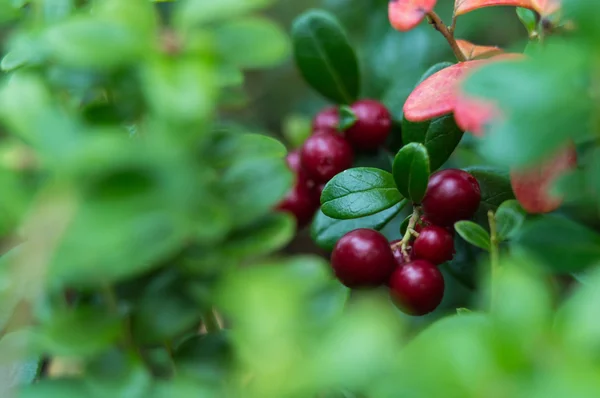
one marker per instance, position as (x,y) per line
(327,120)
(294,163)
(417,288)
(362,258)
(452,195)
(326,154)
(302,202)
(372,126)
(434,244)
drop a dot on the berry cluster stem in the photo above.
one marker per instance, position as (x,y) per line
(494,255)
(410,231)
(448,33)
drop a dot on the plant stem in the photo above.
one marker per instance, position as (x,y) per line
(448,34)
(410,230)
(494,256)
(210,321)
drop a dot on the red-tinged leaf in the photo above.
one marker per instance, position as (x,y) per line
(464,6)
(406,14)
(473,114)
(436,95)
(473,51)
(546,7)
(532,186)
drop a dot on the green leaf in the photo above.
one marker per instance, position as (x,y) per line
(15,375)
(209,354)
(440,136)
(561,244)
(359,192)
(196,12)
(347,118)
(324,56)
(411,171)
(495,189)
(93,43)
(253,186)
(83,331)
(326,231)
(296,129)
(268,42)
(264,237)
(473,233)
(51,388)
(463,311)
(164,310)
(528,19)
(230,147)
(509,218)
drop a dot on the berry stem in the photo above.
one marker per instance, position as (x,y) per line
(448,33)
(494,256)
(410,231)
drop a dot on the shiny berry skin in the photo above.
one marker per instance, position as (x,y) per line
(363,258)
(417,288)
(326,120)
(324,155)
(434,244)
(452,195)
(302,202)
(294,163)
(372,126)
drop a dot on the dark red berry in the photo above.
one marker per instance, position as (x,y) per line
(294,163)
(302,202)
(326,120)
(363,258)
(372,126)
(417,288)
(452,195)
(326,154)
(434,244)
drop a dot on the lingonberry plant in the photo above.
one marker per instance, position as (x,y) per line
(141,217)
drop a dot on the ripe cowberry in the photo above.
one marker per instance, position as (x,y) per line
(326,120)
(434,244)
(326,154)
(372,126)
(302,202)
(362,258)
(417,288)
(452,195)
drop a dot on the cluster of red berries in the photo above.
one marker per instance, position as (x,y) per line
(364,258)
(329,151)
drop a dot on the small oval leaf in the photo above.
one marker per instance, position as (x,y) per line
(474,51)
(324,56)
(474,234)
(411,171)
(533,185)
(528,18)
(406,14)
(509,218)
(326,231)
(359,192)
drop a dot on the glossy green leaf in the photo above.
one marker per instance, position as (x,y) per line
(495,189)
(411,171)
(509,218)
(268,42)
(324,56)
(561,244)
(473,233)
(326,231)
(196,12)
(440,136)
(528,18)
(359,192)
